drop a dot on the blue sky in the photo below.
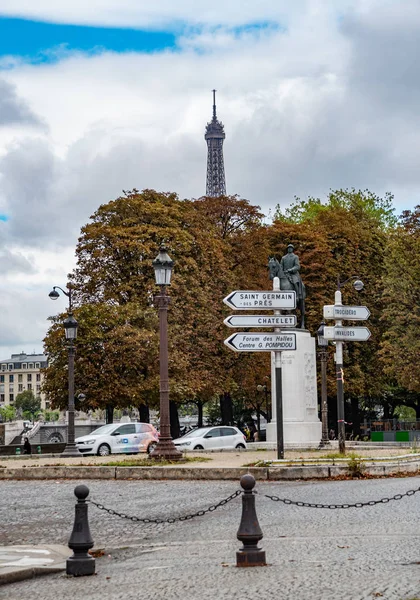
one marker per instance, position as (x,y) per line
(34,40)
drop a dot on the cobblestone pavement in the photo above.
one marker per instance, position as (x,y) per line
(315,554)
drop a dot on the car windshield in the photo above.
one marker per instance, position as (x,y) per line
(195,433)
(103,430)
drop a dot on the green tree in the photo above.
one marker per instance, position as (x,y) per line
(28,403)
(400,348)
(8,413)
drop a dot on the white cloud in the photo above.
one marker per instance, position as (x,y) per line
(330,102)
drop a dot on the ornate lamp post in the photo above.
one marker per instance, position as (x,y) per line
(70,330)
(338,301)
(323,357)
(163,266)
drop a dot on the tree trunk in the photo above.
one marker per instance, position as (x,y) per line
(109,413)
(355,415)
(226,408)
(144,413)
(174,417)
(200,413)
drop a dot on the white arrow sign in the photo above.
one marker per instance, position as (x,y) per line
(347,334)
(261,342)
(251,300)
(261,321)
(348,313)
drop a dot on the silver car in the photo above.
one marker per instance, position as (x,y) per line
(212,438)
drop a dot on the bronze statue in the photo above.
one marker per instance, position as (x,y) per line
(288,272)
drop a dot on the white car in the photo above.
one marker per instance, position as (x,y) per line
(119,438)
(212,438)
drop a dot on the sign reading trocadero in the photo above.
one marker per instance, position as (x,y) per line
(346,313)
(260,321)
(251,300)
(261,342)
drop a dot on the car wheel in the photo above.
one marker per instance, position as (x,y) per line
(151,447)
(198,447)
(104,450)
(240,447)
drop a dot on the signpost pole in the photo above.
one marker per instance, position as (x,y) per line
(341,426)
(278,387)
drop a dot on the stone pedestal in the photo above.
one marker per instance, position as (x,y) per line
(301,425)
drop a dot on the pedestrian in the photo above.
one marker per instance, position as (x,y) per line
(27,447)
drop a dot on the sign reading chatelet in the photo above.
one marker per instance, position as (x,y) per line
(346,313)
(261,342)
(252,300)
(260,321)
(347,334)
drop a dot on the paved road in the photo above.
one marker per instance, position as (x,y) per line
(313,554)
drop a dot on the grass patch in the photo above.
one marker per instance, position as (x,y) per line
(150,462)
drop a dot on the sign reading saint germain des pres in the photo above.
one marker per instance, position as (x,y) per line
(251,300)
(261,342)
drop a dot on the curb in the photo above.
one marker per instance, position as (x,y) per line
(269,473)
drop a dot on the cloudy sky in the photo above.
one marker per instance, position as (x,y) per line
(105,95)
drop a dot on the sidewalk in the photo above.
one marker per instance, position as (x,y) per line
(24,562)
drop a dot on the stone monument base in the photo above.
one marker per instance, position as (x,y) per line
(301,425)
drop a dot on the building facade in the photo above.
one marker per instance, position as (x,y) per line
(22,372)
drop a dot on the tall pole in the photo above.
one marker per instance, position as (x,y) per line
(278,387)
(341,426)
(71,448)
(323,355)
(165,448)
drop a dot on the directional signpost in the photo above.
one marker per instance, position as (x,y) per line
(276,342)
(261,342)
(261,321)
(270,300)
(347,334)
(341,334)
(346,313)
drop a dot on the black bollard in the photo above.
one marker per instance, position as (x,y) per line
(249,532)
(81,563)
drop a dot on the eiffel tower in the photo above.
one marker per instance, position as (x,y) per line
(215,134)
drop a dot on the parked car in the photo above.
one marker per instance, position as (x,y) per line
(211,438)
(119,438)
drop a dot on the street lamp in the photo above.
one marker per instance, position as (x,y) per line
(70,330)
(341,425)
(165,447)
(323,356)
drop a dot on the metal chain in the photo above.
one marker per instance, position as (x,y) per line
(334,506)
(199,513)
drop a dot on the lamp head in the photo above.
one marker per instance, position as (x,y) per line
(358,285)
(54,294)
(320,335)
(70,327)
(163,266)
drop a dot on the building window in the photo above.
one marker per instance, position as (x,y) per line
(10,366)
(3,367)
(30,365)
(29,386)
(11,378)
(2,398)
(38,376)
(38,389)
(20,378)
(1,378)
(11,397)
(20,387)
(24,365)
(47,405)
(29,376)
(37,365)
